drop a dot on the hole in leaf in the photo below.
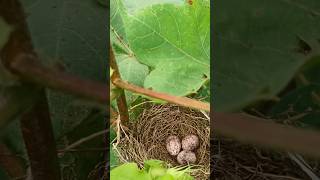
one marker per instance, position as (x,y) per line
(204,76)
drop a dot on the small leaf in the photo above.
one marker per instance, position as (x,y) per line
(114,160)
(133,72)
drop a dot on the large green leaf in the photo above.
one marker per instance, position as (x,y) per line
(174,41)
(116,22)
(136,5)
(257,48)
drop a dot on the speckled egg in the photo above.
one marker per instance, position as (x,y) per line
(186,157)
(190,142)
(173,145)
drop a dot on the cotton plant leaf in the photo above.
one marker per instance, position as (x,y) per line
(174,40)
(133,6)
(257,48)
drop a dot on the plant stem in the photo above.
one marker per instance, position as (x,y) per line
(39,140)
(121,100)
(183,101)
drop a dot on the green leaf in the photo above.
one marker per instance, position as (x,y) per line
(204,93)
(136,5)
(176,78)
(114,160)
(166,177)
(133,72)
(116,22)
(255,53)
(310,71)
(174,41)
(129,171)
(152,163)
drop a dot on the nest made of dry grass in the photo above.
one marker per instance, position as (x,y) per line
(239,161)
(147,136)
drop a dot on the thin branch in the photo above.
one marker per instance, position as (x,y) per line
(83,140)
(121,100)
(267,133)
(183,101)
(30,69)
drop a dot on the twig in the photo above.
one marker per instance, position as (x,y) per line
(303,165)
(121,100)
(183,101)
(83,140)
(267,133)
(121,41)
(118,131)
(30,69)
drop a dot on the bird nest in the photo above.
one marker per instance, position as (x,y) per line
(146,137)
